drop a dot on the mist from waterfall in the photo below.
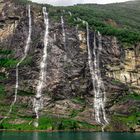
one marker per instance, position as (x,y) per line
(22,59)
(38,100)
(98,85)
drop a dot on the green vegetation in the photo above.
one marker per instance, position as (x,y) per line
(25,93)
(130,121)
(74,113)
(45,123)
(2,93)
(79,100)
(2,90)
(5,52)
(5,60)
(27,61)
(116,81)
(133,96)
(120,20)
(8,62)
(132,118)
(2,76)
(130,96)
(21,1)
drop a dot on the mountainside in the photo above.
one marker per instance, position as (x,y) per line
(78,65)
(125,15)
(120,19)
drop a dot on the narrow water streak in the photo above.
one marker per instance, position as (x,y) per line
(38,100)
(22,59)
(98,85)
(64,37)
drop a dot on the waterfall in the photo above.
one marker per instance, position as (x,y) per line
(70,13)
(38,101)
(63,32)
(22,59)
(98,85)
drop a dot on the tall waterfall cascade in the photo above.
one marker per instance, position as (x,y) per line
(22,59)
(64,35)
(63,31)
(70,13)
(38,100)
(98,85)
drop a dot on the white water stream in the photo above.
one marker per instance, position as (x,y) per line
(98,85)
(22,59)
(38,101)
(64,37)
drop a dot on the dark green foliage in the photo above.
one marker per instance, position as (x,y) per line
(116,81)
(68,124)
(79,100)
(24,93)
(130,96)
(123,19)
(120,20)
(8,62)
(47,123)
(74,113)
(138,123)
(21,1)
(2,76)
(2,90)
(1,126)
(27,61)
(5,52)
(5,60)
(129,120)
(134,96)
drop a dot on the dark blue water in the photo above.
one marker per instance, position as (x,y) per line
(68,136)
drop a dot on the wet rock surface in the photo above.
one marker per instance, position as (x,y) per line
(68,89)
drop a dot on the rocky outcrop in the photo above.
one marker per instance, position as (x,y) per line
(128,70)
(68,91)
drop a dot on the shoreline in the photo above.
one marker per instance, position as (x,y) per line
(52,131)
(82,130)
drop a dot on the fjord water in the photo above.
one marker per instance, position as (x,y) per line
(68,136)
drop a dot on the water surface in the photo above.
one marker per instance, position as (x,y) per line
(68,136)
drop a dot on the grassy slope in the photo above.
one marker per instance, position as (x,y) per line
(120,19)
(126,16)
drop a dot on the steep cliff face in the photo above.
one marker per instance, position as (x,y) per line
(68,92)
(128,71)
